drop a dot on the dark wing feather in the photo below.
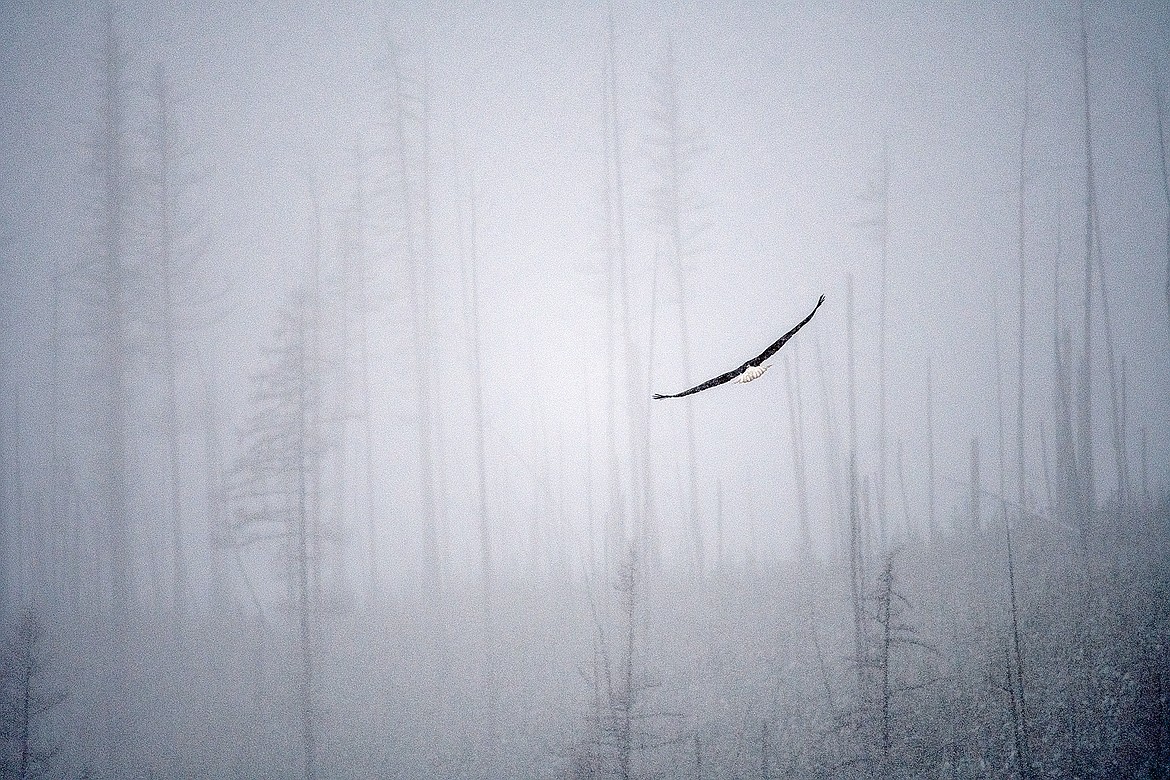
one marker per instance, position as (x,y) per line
(772,350)
(709,383)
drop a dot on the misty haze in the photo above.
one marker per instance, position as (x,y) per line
(330,341)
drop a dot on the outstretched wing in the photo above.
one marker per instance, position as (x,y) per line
(709,383)
(772,350)
(767,353)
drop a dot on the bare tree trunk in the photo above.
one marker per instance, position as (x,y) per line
(436,447)
(885,231)
(719,525)
(1015,676)
(911,531)
(975,509)
(114,344)
(672,151)
(833,459)
(649,521)
(617,301)
(797,425)
(1145,471)
(1050,494)
(215,489)
(308,535)
(169,333)
(1021,224)
(485,540)
(415,266)
(1085,392)
(932,517)
(885,597)
(637,396)
(629,592)
(373,530)
(856,560)
(1165,186)
(115,320)
(615,520)
(1020,709)
(60,487)
(1121,461)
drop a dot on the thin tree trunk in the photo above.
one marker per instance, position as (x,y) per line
(436,434)
(420,327)
(831,436)
(308,534)
(1019,729)
(885,600)
(649,521)
(1121,462)
(637,400)
(672,187)
(615,515)
(932,517)
(1165,187)
(975,508)
(1021,224)
(1049,493)
(485,540)
(856,561)
(114,345)
(885,230)
(373,530)
(166,260)
(797,426)
(1146,498)
(911,531)
(303,551)
(115,324)
(1085,393)
(215,487)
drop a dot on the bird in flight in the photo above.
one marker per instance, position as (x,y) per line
(754,368)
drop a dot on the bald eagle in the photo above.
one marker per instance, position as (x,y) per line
(754,368)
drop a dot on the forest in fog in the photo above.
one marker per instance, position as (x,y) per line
(329,336)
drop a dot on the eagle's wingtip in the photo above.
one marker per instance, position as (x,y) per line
(656,396)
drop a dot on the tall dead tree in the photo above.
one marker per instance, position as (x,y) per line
(617,305)
(932,518)
(27,697)
(275,482)
(856,558)
(179,302)
(882,423)
(416,266)
(1165,185)
(637,392)
(649,537)
(1015,663)
(673,149)
(796,423)
(1085,387)
(110,288)
(169,335)
(359,272)
(111,283)
(472,318)
(1021,225)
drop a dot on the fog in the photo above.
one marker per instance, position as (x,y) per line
(328,340)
